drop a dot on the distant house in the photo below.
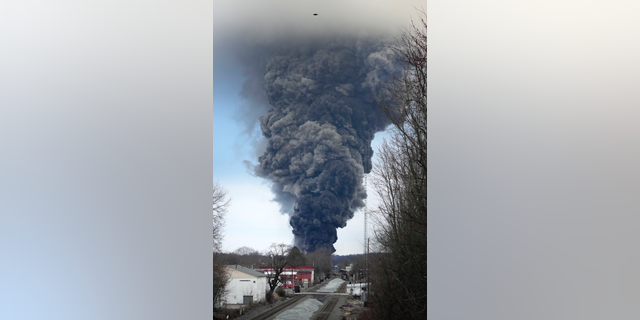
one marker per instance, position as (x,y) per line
(245,286)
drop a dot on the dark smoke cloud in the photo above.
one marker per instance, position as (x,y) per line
(310,87)
(319,128)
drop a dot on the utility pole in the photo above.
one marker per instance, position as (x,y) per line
(365,216)
(366,238)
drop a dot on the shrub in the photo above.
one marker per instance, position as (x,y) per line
(280,291)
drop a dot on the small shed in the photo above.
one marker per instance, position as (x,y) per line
(245,286)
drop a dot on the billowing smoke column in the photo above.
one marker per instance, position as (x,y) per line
(319,127)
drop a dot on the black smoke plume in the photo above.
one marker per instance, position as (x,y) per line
(321,120)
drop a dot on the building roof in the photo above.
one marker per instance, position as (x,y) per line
(247,270)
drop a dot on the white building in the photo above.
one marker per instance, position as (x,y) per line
(245,286)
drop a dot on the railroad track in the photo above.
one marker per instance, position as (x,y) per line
(273,311)
(341,288)
(325,312)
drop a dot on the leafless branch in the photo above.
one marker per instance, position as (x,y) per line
(400,180)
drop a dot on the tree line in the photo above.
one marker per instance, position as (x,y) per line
(399,269)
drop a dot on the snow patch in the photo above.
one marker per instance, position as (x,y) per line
(302,311)
(331,286)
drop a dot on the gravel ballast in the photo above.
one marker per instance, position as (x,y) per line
(302,311)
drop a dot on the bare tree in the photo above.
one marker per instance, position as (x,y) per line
(220,276)
(220,205)
(296,258)
(244,256)
(358,267)
(321,261)
(220,279)
(246,251)
(400,180)
(278,259)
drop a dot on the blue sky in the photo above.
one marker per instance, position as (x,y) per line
(228,154)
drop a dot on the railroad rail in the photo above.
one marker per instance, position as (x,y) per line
(325,312)
(322,293)
(273,311)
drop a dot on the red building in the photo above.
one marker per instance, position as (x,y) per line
(291,276)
